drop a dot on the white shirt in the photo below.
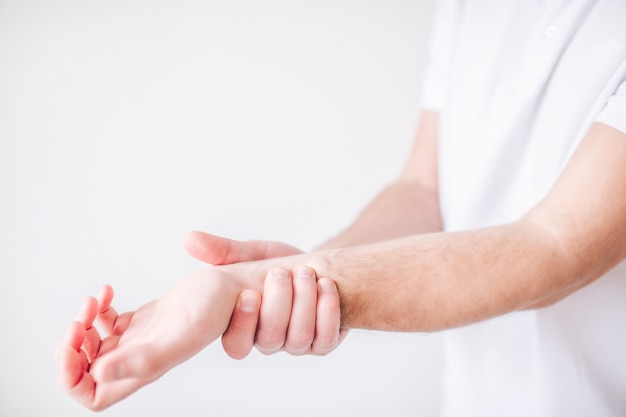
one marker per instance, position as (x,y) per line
(517,84)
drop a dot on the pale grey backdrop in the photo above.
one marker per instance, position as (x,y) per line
(125,124)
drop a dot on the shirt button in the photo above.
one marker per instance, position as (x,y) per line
(551,31)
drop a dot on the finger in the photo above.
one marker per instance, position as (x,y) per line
(73,340)
(73,364)
(105,297)
(108,344)
(114,324)
(91,340)
(107,316)
(74,379)
(275,311)
(122,323)
(81,385)
(108,394)
(238,339)
(74,336)
(88,312)
(91,344)
(328,318)
(68,355)
(301,331)
(218,250)
(70,367)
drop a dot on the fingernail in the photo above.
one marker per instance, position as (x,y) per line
(280,273)
(248,303)
(304,272)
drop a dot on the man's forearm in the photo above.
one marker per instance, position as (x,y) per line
(442,280)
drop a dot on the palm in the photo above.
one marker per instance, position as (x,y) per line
(146,343)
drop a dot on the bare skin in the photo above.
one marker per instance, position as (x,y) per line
(423,282)
(286,317)
(140,346)
(409,206)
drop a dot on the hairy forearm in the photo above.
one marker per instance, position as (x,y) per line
(402,209)
(437,281)
(434,281)
(443,280)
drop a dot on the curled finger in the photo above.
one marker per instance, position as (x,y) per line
(328,326)
(275,311)
(238,339)
(301,331)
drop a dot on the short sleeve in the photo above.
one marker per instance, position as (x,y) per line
(440,54)
(614,113)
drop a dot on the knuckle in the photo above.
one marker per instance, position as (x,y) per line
(298,351)
(271,338)
(304,274)
(145,366)
(322,352)
(325,345)
(237,345)
(266,352)
(300,340)
(236,352)
(280,277)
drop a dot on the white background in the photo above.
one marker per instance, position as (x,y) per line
(125,124)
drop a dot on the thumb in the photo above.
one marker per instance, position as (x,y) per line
(137,361)
(217,250)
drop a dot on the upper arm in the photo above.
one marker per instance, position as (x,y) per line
(585,212)
(422,163)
